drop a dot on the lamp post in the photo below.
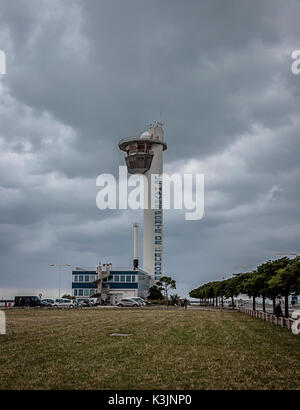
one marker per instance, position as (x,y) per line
(59,265)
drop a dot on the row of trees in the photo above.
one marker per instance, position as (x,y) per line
(273,279)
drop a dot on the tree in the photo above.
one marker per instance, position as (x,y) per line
(286,280)
(250,285)
(269,280)
(220,290)
(266,272)
(155,293)
(210,290)
(231,288)
(167,283)
(65,296)
(197,293)
(174,299)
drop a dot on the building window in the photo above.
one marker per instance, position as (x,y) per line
(128,278)
(133,278)
(110,278)
(87,278)
(75,278)
(86,292)
(92,292)
(117,278)
(75,292)
(80,278)
(80,292)
(122,278)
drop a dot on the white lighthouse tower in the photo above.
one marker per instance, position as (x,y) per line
(144,155)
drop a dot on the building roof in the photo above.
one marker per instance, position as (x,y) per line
(114,269)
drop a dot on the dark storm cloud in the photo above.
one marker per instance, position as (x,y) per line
(206,62)
(81,75)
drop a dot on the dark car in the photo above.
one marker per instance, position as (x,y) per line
(147,302)
(86,303)
(45,303)
(30,301)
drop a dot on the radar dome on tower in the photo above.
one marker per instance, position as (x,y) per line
(145,134)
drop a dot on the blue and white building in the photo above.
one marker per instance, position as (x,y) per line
(83,285)
(110,285)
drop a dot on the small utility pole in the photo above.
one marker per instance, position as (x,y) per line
(59,265)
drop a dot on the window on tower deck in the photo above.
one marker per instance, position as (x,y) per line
(141,146)
(132,148)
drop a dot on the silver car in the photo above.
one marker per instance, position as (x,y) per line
(127,303)
(139,301)
(68,303)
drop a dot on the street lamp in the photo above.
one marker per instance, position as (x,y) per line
(60,265)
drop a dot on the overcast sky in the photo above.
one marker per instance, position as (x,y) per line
(81,74)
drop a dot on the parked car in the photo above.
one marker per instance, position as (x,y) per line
(49,302)
(69,303)
(86,303)
(139,301)
(45,303)
(30,301)
(147,302)
(127,303)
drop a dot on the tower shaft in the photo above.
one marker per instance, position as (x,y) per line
(153,217)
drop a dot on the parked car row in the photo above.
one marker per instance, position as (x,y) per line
(70,303)
(34,301)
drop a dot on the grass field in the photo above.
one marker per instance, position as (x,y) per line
(175,349)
